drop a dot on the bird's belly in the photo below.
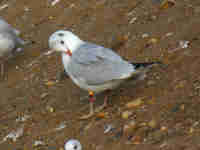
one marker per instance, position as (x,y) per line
(98,88)
(65,60)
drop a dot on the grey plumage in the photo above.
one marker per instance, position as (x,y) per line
(96,65)
(9,40)
(93,67)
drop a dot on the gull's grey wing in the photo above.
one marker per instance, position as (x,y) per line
(95,64)
(9,42)
(4,26)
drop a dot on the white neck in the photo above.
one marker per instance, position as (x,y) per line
(73,43)
(65,60)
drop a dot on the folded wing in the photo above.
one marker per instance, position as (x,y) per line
(94,64)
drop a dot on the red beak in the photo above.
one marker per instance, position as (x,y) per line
(68,52)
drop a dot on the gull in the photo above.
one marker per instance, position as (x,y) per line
(92,67)
(9,42)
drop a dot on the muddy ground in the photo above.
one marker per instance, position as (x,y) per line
(164,112)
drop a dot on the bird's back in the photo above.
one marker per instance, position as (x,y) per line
(8,43)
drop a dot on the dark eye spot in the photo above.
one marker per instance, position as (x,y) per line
(60,34)
(62,42)
(75,147)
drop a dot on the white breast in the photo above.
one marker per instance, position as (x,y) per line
(6,45)
(65,60)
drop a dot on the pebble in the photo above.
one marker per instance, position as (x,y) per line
(153,41)
(163,128)
(136,140)
(43,95)
(133,20)
(102,115)
(38,143)
(184,44)
(135,103)
(126,114)
(145,35)
(4,6)
(130,127)
(153,124)
(169,34)
(157,136)
(50,109)
(108,128)
(151,82)
(50,83)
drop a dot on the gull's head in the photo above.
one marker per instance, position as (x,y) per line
(73,145)
(64,41)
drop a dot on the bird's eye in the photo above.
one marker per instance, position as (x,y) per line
(62,42)
(60,34)
(75,147)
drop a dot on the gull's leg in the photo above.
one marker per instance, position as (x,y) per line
(105,103)
(91,99)
(2,69)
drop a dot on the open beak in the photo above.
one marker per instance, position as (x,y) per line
(68,52)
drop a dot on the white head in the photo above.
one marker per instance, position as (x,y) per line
(73,145)
(64,41)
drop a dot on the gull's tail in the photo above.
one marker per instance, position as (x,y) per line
(142,68)
(146,64)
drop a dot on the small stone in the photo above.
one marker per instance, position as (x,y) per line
(108,128)
(43,95)
(130,127)
(153,41)
(54,2)
(191,130)
(26,9)
(50,17)
(182,107)
(38,143)
(152,124)
(184,44)
(169,34)
(153,17)
(151,82)
(4,6)
(133,20)
(101,115)
(50,83)
(50,109)
(145,35)
(167,4)
(61,148)
(126,114)
(143,124)
(163,128)
(136,140)
(135,103)
(157,136)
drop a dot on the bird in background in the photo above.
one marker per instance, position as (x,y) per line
(94,68)
(9,42)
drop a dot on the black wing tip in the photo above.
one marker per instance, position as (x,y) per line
(146,64)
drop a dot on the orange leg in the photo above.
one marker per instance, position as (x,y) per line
(91,99)
(92,111)
(2,69)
